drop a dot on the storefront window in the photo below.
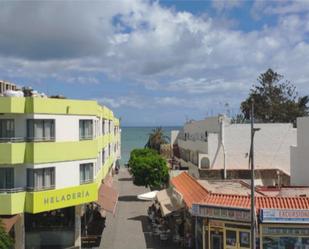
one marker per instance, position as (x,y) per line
(231,238)
(285,237)
(270,243)
(244,238)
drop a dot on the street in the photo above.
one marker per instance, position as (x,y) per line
(129,228)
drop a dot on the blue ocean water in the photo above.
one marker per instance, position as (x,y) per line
(136,137)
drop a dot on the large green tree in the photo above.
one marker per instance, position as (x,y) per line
(275,99)
(148,168)
(5,240)
(156,138)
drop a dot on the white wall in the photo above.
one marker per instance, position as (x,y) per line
(66,126)
(66,173)
(300,154)
(272,144)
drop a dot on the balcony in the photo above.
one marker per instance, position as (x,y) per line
(19,200)
(20,150)
(13,153)
(12,201)
(12,105)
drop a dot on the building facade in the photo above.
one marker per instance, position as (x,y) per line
(299,154)
(216,144)
(54,154)
(6,86)
(218,214)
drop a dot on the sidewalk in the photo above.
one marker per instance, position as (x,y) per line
(129,229)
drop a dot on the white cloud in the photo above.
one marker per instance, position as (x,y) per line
(133,101)
(160,48)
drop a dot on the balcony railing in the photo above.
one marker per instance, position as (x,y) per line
(11,190)
(86,137)
(12,139)
(87,181)
(40,188)
(26,139)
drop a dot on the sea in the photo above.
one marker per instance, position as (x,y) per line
(137,137)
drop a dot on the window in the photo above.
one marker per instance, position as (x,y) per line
(6,129)
(41,129)
(231,238)
(109,126)
(103,126)
(244,239)
(86,172)
(85,129)
(6,178)
(103,156)
(40,179)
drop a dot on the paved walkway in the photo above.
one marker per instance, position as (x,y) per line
(129,229)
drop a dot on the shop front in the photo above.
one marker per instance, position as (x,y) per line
(224,228)
(284,229)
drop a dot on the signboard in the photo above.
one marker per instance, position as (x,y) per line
(233,214)
(60,198)
(284,216)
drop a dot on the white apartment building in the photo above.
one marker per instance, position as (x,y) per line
(300,154)
(6,86)
(215,143)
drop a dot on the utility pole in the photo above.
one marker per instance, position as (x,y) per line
(251,160)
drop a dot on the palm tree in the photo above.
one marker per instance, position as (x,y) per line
(156,138)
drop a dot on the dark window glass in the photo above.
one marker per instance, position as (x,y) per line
(231,238)
(103,156)
(6,129)
(40,179)
(6,178)
(85,129)
(244,238)
(103,126)
(41,129)
(86,173)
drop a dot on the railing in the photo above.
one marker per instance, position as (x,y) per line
(90,137)
(26,139)
(40,188)
(86,181)
(12,139)
(11,190)
(39,139)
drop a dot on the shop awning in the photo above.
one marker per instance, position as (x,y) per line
(149,196)
(9,221)
(108,198)
(167,203)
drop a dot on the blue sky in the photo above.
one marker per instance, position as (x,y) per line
(154,62)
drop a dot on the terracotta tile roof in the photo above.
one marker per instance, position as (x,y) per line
(227,200)
(191,190)
(239,201)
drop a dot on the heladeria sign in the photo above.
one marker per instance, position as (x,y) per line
(59,198)
(66,197)
(284,216)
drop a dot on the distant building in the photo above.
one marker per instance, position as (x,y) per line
(300,155)
(5,86)
(216,148)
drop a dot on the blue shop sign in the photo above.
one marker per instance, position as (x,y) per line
(284,216)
